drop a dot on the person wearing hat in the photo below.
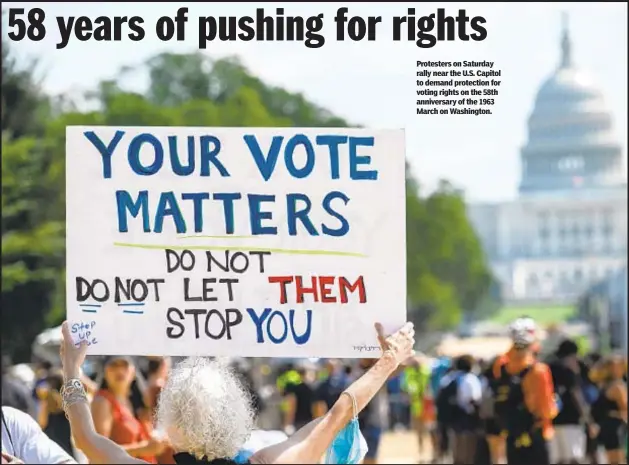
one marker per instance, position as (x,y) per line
(114,414)
(524,398)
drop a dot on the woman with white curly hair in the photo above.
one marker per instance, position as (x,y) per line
(207,413)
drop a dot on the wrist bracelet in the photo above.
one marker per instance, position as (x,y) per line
(72,385)
(72,392)
(72,399)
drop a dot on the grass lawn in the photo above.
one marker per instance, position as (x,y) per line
(543,315)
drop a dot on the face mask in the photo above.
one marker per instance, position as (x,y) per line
(243,456)
(349,446)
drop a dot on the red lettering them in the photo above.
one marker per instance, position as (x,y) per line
(324,289)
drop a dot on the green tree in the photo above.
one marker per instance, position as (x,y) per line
(459,259)
(446,268)
(32,243)
(179,78)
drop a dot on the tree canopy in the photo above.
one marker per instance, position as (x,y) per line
(446,269)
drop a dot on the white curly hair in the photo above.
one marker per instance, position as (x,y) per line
(205,409)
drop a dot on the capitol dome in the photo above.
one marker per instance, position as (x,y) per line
(568,83)
(570,136)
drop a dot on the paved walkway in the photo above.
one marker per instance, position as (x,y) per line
(400,447)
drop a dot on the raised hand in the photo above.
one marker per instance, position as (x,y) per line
(72,355)
(400,344)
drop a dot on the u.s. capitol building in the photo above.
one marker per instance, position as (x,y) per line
(567,229)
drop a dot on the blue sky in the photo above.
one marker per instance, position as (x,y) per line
(373,83)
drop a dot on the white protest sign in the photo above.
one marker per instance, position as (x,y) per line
(260,242)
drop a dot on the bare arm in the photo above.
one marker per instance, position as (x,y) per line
(319,408)
(582,406)
(96,447)
(42,413)
(291,407)
(102,416)
(309,444)
(618,393)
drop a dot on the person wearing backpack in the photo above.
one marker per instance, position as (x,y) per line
(445,403)
(524,402)
(457,409)
(469,396)
(441,444)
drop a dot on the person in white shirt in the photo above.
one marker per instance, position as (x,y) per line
(468,389)
(23,439)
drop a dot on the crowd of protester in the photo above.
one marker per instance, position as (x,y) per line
(523,407)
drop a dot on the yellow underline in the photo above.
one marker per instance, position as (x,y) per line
(241,249)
